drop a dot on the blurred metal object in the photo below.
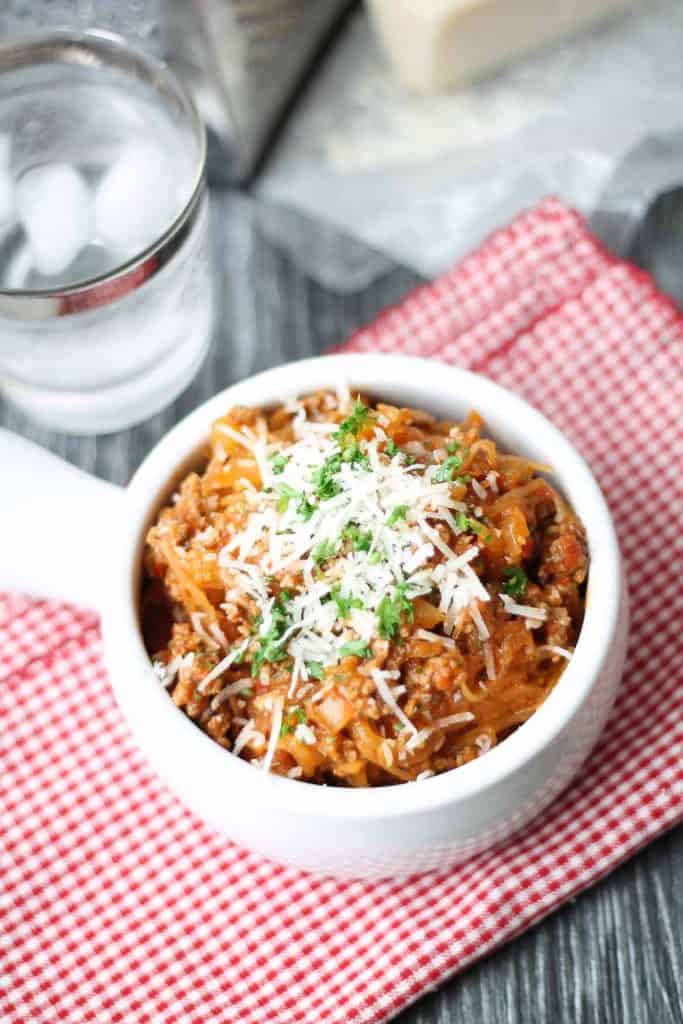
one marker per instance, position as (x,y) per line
(658,246)
(243,60)
(639,215)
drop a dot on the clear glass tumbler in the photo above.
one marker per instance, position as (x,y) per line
(105,277)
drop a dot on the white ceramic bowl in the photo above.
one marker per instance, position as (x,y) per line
(371,833)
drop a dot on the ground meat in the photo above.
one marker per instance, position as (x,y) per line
(434,682)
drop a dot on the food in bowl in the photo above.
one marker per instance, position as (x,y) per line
(354,593)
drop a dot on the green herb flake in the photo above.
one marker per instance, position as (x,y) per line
(323,477)
(375,558)
(355,457)
(516,581)
(399,513)
(390,610)
(452,447)
(391,448)
(467,525)
(315,669)
(278,461)
(270,644)
(305,509)
(360,540)
(324,550)
(447,470)
(247,692)
(357,648)
(287,494)
(354,423)
(344,603)
(285,729)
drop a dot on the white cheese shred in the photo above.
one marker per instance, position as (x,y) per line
(478,621)
(426,634)
(227,661)
(527,611)
(460,719)
(229,691)
(275,726)
(561,652)
(489,660)
(383,689)
(167,673)
(246,733)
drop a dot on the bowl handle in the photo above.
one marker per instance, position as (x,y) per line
(55,524)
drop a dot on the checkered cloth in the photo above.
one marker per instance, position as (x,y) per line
(120,906)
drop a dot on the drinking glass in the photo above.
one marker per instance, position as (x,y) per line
(105,278)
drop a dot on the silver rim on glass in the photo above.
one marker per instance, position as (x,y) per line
(93,50)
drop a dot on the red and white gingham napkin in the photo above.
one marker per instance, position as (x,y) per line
(120,906)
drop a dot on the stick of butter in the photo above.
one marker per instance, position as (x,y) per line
(434,45)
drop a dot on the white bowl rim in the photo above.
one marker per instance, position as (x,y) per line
(367,372)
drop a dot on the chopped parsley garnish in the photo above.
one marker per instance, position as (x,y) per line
(358,648)
(247,692)
(270,644)
(278,461)
(323,477)
(354,423)
(398,513)
(296,716)
(390,610)
(325,549)
(354,456)
(452,447)
(315,669)
(467,525)
(447,469)
(516,581)
(344,603)
(287,494)
(304,508)
(392,450)
(375,558)
(360,540)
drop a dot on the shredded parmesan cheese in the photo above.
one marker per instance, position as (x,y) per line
(478,489)
(460,719)
(246,733)
(380,681)
(527,611)
(227,661)
(561,652)
(275,726)
(426,634)
(167,673)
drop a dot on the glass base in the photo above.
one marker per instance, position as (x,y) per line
(103,411)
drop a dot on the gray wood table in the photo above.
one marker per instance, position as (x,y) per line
(615,954)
